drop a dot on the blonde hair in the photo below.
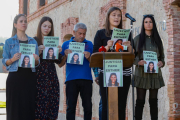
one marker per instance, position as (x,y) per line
(14,31)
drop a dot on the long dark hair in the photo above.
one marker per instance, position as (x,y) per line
(47,57)
(14,30)
(110,82)
(72,59)
(155,37)
(23,63)
(148,68)
(39,33)
(107,23)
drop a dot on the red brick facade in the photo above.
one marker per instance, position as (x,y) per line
(173,55)
(172,8)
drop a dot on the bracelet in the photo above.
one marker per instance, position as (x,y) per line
(11,60)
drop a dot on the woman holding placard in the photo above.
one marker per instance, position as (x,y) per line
(103,38)
(47,104)
(21,82)
(148,40)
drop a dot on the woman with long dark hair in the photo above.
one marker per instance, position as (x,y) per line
(113,80)
(47,102)
(26,62)
(149,40)
(75,59)
(103,38)
(50,54)
(21,82)
(150,68)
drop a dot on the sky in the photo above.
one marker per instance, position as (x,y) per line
(8,10)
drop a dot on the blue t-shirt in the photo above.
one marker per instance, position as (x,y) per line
(74,71)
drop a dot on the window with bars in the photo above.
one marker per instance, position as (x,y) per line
(25,4)
(42,2)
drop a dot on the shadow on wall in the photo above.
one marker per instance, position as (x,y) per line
(67,37)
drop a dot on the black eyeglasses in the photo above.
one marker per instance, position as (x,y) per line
(149,15)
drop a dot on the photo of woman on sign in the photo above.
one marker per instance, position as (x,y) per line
(151,68)
(26,62)
(50,54)
(113,80)
(75,59)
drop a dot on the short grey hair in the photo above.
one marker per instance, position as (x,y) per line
(79,26)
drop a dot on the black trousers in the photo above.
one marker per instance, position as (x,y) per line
(122,97)
(73,88)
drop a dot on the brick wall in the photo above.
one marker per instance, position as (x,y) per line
(173,25)
(66,13)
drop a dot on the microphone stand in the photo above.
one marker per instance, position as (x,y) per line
(132,80)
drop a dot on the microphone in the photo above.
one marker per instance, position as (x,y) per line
(130,17)
(118,47)
(102,49)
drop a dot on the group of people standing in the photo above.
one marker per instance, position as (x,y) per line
(33,93)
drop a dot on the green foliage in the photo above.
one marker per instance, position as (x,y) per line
(2,104)
(1,51)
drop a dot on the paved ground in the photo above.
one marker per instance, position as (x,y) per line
(3,94)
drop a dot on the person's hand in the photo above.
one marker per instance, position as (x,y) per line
(41,47)
(16,56)
(97,80)
(110,43)
(86,54)
(160,64)
(142,62)
(36,57)
(67,51)
(127,43)
(60,48)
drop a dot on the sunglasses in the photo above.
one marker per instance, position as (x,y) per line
(149,15)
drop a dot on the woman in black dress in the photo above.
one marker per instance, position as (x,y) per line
(21,82)
(103,38)
(47,103)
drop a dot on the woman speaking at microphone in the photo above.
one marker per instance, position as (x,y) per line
(103,38)
(149,40)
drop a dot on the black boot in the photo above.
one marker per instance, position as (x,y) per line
(153,108)
(139,109)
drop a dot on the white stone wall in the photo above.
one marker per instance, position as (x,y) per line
(137,8)
(88,13)
(50,1)
(32,6)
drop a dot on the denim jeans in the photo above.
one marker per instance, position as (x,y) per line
(100,106)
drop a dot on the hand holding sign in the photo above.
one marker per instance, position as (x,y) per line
(16,56)
(127,43)
(41,48)
(142,62)
(160,64)
(67,51)
(36,57)
(60,48)
(86,54)
(110,43)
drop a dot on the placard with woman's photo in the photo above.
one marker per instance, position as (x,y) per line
(51,47)
(27,60)
(151,62)
(113,73)
(77,56)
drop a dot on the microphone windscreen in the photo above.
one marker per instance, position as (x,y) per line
(118,47)
(102,49)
